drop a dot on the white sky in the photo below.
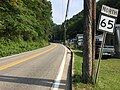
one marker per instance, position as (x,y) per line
(59,9)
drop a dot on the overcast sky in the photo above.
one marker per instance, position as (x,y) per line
(59,9)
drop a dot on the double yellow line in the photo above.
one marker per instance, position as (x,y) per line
(25,59)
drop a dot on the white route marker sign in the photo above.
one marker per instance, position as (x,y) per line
(108,19)
(107,23)
(109,11)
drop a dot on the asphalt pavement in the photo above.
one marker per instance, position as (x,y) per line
(39,69)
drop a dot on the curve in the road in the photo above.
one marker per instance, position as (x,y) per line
(25,59)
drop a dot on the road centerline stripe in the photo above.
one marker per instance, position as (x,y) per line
(25,59)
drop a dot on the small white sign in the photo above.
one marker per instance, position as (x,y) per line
(109,11)
(106,24)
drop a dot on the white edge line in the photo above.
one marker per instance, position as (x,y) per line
(56,84)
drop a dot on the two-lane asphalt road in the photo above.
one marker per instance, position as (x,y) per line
(40,69)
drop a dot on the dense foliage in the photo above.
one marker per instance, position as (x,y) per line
(57,33)
(24,24)
(75,24)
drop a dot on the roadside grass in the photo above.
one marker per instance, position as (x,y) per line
(109,75)
(8,48)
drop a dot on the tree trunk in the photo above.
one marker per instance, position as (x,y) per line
(93,35)
(87,40)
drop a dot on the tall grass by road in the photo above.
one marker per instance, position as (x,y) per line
(8,48)
(109,75)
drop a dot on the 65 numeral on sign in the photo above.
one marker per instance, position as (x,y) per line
(106,23)
(109,24)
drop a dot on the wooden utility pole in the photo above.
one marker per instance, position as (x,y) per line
(65,27)
(87,40)
(93,35)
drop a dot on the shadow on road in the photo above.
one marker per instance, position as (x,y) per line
(30,81)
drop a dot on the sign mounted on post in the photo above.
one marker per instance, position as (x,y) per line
(107,19)
(106,24)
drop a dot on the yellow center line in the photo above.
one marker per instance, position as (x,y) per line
(25,59)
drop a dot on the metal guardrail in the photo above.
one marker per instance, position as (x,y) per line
(71,69)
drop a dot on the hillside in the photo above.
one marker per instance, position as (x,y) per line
(75,24)
(24,25)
